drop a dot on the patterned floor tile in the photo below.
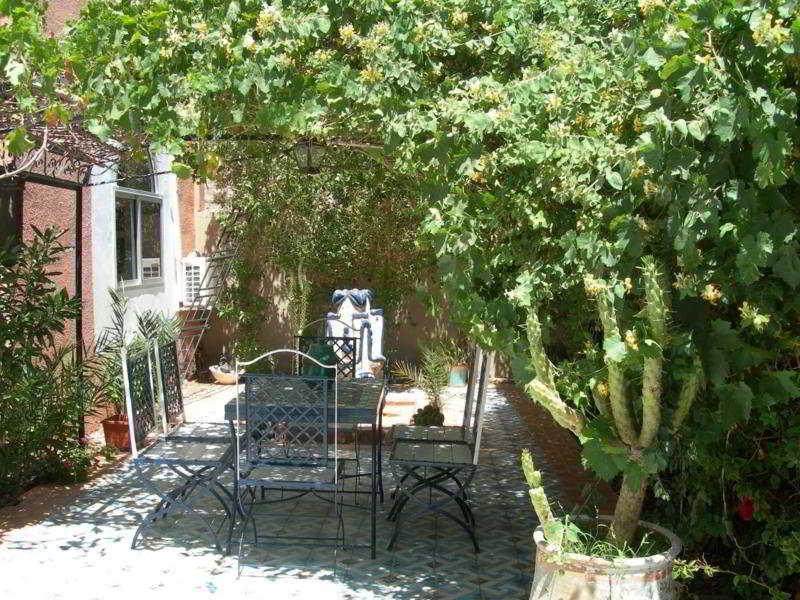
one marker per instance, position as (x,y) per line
(432,559)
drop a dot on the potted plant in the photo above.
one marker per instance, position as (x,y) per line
(430,377)
(617,557)
(152,327)
(457,355)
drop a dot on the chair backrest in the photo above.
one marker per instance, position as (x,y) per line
(469,401)
(476,432)
(140,398)
(168,367)
(286,418)
(344,348)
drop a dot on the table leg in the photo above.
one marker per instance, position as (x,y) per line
(374,494)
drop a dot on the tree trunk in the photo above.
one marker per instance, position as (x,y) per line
(627,512)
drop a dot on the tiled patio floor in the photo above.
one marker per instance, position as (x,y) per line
(82,549)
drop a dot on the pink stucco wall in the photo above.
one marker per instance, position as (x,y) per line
(46,206)
(59,11)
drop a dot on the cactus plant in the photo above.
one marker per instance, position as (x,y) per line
(613,398)
(541,505)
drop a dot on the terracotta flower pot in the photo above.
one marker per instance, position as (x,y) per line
(116,432)
(224,377)
(568,576)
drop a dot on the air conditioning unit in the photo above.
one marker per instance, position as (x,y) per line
(194,270)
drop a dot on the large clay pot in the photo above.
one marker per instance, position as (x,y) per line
(566,576)
(116,432)
(224,377)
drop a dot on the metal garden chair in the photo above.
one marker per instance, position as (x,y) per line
(346,349)
(195,454)
(448,432)
(432,474)
(283,431)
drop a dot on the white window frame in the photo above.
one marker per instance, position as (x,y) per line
(139,197)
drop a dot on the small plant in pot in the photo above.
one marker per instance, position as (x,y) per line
(431,377)
(152,328)
(626,434)
(454,353)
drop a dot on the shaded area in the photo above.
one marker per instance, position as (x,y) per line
(83,543)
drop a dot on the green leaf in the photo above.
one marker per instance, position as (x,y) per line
(99,129)
(752,256)
(787,265)
(14,71)
(697,130)
(323,24)
(736,401)
(19,142)
(182,170)
(673,65)
(614,179)
(653,58)
(615,349)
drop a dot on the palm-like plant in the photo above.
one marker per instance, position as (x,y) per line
(430,377)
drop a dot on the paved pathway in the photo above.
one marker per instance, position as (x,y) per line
(80,549)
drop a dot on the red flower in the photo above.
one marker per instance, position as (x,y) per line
(67,464)
(746,508)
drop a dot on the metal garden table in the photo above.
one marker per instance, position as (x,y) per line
(360,401)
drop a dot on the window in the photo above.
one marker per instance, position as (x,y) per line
(138,228)
(10,216)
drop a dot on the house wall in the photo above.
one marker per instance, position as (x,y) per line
(45,206)
(59,12)
(162,297)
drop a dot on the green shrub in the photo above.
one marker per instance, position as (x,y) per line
(45,393)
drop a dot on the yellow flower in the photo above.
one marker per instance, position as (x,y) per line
(648,6)
(650,189)
(706,60)
(630,340)
(712,294)
(752,318)
(369,45)
(370,75)
(593,285)
(268,18)
(628,284)
(323,56)
(381,30)
(769,32)
(553,102)
(459,18)
(348,35)
(284,61)
(602,389)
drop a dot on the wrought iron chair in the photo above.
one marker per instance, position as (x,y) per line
(346,349)
(448,432)
(284,425)
(433,473)
(196,453)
